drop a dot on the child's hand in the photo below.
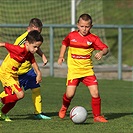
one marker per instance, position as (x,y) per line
(39,78)
(45,61)
(60,60)
(99,55)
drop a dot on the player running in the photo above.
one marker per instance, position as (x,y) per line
(27,76)
(9,70)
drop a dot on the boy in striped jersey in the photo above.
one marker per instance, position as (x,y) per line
(80,46)
(27,76)
(10,66)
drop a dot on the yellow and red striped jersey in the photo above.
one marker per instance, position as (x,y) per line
(26,66)
(9,67)
(79,53)
(19,55)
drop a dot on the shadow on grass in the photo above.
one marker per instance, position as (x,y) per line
(111,116)
(31,116)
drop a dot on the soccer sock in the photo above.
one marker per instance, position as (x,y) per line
(96,106)
(37,101)
(9,99)
(7,107)
(66,101)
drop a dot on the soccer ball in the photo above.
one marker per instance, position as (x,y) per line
(78,114)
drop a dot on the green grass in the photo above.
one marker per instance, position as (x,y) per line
(119,12)
(116,106)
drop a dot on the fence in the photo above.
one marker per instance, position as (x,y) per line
(51,38)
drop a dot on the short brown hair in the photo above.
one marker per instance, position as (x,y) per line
(36,22)
(85,17)
(34,36)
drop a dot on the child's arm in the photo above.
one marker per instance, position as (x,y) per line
(39,52)
(100,54)
(2,44)
(62,53)
(38,72)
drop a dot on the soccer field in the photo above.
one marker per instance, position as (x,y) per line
(116,107)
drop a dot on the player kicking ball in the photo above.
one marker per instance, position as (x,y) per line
(81,44)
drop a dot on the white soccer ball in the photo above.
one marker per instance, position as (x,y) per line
(78,114)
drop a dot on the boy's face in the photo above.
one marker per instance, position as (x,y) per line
(33,47)
(84,27)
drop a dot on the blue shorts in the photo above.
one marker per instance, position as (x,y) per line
(28,80)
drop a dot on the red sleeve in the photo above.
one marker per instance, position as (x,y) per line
(66,41)
(19,54)
(12,48)
(31,58)
(99,45)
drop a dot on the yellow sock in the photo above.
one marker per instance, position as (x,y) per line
(36,97)
(3,94)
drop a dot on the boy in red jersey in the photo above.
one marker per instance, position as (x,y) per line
(10,66)
(81,44)
(27,76)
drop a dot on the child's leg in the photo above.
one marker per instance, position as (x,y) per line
(13,94)
(37,101)
(65,105)
(96,106)
(96,100)
(9,99)
(67,97)
(7,107)
(92,84)
(66,101)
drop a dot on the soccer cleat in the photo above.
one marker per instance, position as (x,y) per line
(62,112)
(100,119)
(5,117)
(41,116)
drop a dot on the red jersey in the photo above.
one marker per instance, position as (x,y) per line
(80,52)
(10,65)
(19,54)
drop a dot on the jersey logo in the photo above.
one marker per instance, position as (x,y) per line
(89,43)
(74,40)
(14,68)
(75,56)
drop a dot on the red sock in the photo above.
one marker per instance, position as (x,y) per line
(96,106)
(66,101)
(9,99)
(7,107)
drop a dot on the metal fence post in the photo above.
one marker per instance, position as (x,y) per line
(51,51)
(119,53)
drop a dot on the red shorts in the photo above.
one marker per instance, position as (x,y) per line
(88,81)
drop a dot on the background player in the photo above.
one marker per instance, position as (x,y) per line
(81,44)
